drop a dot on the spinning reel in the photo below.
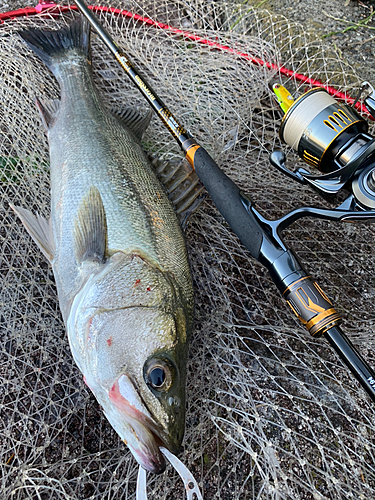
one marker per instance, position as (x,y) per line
(329,136)
(333,138)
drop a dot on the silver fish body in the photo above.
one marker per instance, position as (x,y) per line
(118,255)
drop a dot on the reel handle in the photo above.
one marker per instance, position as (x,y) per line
(253,231)
(369,100)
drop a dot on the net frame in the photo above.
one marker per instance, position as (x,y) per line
(272,413)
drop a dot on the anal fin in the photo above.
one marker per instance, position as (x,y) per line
(47,111)
(39,229)
(90,228)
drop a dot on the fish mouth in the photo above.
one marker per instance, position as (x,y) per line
(147,449)
(139,431)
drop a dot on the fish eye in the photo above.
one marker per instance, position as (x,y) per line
(158,374)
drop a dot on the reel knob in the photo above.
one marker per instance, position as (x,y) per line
(363,187)
(371,181)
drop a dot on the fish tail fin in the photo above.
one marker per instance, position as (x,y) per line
(53,46)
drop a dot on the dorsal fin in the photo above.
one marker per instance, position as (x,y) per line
(182,184)
(131,118)
(90,228)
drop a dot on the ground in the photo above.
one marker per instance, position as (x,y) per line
(346,25)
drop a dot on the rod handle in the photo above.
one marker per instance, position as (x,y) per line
(226,195)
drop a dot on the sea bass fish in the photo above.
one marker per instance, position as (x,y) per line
(117,252)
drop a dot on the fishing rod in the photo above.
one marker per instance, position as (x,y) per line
(259,235)
(45,6)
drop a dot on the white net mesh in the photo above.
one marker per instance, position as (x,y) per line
(271,412)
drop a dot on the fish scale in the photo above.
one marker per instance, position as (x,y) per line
(118,255)
(139,215)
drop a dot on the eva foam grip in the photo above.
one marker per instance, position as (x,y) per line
(226,196)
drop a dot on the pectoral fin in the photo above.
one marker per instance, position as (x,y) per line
(39,229)
(90,228)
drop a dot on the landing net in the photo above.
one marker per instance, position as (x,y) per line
(271,412)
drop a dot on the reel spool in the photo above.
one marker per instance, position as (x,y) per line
(333,138)
(318,128)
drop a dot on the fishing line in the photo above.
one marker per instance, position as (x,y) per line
(259,235)
(268,405)
(303,114)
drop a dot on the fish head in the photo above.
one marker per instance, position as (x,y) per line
(133,357)
(140,380)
